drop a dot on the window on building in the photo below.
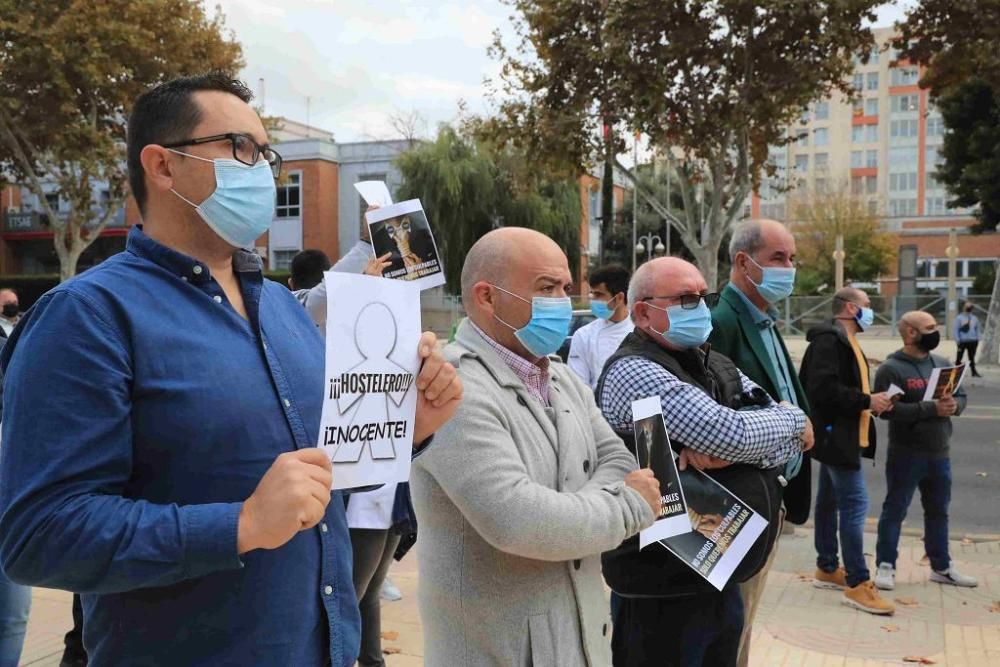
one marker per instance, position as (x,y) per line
(871,106)
(941,269)
(871,158)
(935,126)
(801,163)
(859,82)
(821,136)
(52,199)
(873,206)
(821,160)
(821,185)
(821,111)
(289,199)
(864,185)
(871,81)
(923,268)
(283,260)
(857,106)
(904,129)
(903,158)
(857,134)
(802,139)
(978,267)
(906,182)
(934,205)
(905,76)
(904,103)
(901,207)
(857,159)
(871,133)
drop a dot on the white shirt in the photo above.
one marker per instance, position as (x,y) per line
(372,509)
(354,261)
(592,344)
(8,325)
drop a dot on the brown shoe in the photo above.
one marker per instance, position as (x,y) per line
(865,597)
(836,580)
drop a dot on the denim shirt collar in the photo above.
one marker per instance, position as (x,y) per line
(185,267)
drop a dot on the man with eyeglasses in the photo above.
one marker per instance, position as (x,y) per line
(745,329)
(162,459)
(716,418)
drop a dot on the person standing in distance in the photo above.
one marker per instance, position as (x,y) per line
(593,343)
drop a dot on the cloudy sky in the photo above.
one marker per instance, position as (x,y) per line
(350,65)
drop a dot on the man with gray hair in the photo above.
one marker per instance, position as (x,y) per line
(519,497)
(718,420)
(745,329)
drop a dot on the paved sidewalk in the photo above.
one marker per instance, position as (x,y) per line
(797,625)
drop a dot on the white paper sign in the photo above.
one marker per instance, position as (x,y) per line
(375,193)
(369,394)
(893,391)
(652,445)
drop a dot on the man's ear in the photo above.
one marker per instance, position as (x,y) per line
(482,296)
(156,167)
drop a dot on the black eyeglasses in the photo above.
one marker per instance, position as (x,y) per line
(245,149)
(690,301)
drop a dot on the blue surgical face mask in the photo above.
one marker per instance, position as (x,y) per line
(601,309)
(865,317)
(688,328)
(242,206)
(548,326)
(776,283)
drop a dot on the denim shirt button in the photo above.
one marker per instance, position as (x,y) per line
(328,590)
(196,270)
(217,298)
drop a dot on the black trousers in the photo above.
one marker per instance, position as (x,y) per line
(373,550)
(699,631)
(971,346)
(74,655)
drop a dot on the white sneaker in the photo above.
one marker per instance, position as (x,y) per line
(954,578)
(885,577)
(389,591)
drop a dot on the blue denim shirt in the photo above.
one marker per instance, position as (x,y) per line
(141,411)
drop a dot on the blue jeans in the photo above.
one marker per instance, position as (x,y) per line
(841,497)
(15,603)
(903,475)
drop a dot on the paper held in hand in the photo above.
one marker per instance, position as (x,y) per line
(402,231)
(375,193)
(369,393)
(945,380)
(652,450)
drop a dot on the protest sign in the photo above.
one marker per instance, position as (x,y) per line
(723,529)
(945,380)
(369,397)
(375,193)
(652,446)
(402,231)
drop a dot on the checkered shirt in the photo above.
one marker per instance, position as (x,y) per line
(764,437)
(535,376)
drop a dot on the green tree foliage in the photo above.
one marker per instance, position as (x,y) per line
(957,40)
(69,72)
(469,188)
(868,250)
(712,83)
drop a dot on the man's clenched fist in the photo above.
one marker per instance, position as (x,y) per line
(292,496)
(646,484)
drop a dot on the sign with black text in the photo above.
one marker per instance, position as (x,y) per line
(402,232)
(652,449)
(369,397)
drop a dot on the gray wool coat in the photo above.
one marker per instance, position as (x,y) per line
(515,507)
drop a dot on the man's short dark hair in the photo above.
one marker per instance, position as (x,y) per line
(168,113)
(612,276)
(308,267)
(844,296)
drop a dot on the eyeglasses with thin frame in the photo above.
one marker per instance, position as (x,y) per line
(245,149)
(690,301)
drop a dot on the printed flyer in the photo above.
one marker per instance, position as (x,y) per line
(652,446)
(402,231)
(945,381)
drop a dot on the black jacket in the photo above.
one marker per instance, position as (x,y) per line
(830,376)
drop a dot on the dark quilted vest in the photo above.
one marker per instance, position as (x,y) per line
(654,571)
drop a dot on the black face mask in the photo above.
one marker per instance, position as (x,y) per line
(10,310)
(929,341)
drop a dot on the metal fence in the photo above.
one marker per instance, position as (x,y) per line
(798,313)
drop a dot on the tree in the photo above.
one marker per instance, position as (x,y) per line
(712,83)
(819,217)
(69,72)
(469,188)
(957,42)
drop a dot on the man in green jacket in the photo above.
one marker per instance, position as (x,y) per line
(745,329)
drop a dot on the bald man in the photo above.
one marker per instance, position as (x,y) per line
(836,377)
(745,329)
(919,436)
(668,614)
(518,498)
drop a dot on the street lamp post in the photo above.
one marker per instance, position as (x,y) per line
(838,258)
(650,243)
(951,308)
